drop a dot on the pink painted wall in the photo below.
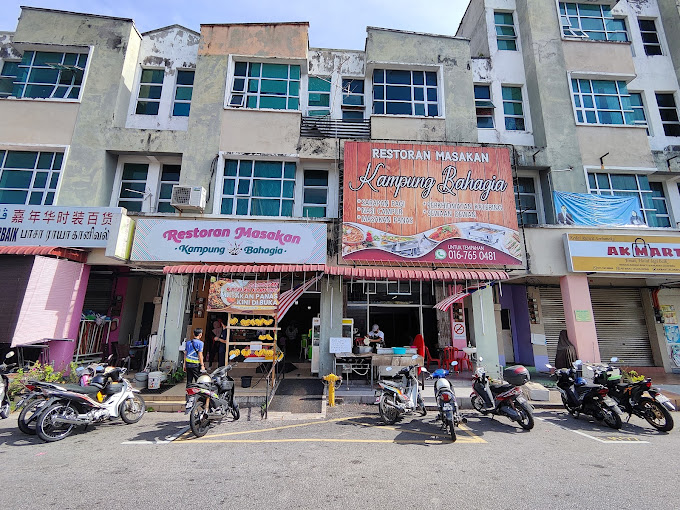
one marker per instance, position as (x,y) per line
(119,290)
(576,296)
(61,353)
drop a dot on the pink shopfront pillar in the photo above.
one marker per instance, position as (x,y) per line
(578,315)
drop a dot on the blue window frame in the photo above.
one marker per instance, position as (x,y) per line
(29,177)
(592,21)
(602,102)
(403,92)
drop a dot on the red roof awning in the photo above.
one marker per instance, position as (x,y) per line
(243,268)
(378,273)
(65,253)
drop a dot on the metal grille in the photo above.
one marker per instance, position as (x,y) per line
(552,317)
(324,127)
(621,327)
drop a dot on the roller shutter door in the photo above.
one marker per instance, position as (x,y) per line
(552,317)
(621,327)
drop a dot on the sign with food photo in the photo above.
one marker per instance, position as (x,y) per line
(244,296)
(438,204)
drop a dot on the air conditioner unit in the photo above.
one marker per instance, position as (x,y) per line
(188,198)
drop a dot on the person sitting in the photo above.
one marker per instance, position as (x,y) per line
(376,337)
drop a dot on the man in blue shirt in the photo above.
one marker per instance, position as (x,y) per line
(193,357)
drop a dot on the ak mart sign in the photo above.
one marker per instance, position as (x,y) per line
(229,241)
(623,253)
(440,204)
(66,227)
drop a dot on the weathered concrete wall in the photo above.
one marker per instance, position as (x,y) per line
(282,40)
(255,131)
(627,146)
(37,121)
(336,65)
(670,15)
(599,58)
(393,127)
(449,54)
(471,28)
(7,50)
(171,49)
(549,93)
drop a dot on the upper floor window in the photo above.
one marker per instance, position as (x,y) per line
(258,188)
(669,114)
(44,74)
(353,104)
(28,177)
(268,86)
(640,119)
(184,88)
(315,194)
(400,92)
(650,37)
(594,21)
(484,107)
(526,201)
(146,186)
(150,88)
(602,102)
(505,31)
(319,96)
(513,109)
(650,201)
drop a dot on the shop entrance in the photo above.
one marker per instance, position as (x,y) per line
(299,317)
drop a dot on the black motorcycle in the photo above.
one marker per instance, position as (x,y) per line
(636,398)
(210,399)
(579,397)
(4,386)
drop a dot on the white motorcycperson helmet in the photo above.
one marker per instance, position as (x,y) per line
(203,379)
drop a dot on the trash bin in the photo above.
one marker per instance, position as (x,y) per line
(246,380)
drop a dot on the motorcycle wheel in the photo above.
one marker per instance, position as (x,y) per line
(235,412)
(656,415)
(198,419)
(572,411)
(388,414)
(50,431)
(421,406)
(132,409)
(526,417)
(29,415)
(452,429)
(611,418)
(477,403)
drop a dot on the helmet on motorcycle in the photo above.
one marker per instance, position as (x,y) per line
(204,379)
(580,381)
(98,381)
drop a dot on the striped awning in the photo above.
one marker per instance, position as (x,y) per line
(446,303)
(243,268)
(288,298)
(53,251)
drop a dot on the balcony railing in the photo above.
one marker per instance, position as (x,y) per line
(325,127)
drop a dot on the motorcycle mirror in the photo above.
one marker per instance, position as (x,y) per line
(232,356)
(548,365)
(578,363)
(454,363)
(614,359)
(480,358)
(109,358)
(415,356)
(388,369)
(9,354)
(424,370)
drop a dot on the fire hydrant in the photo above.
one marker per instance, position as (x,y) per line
(331,379)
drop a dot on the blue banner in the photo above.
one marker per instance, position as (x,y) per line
(597,210)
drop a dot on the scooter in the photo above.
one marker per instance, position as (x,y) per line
(210,399)
(636,398)
(396,401)
(579,397)
(446,401)
(4,386)
(65,409)
(503,398)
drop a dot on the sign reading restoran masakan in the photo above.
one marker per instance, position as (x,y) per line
(243,241)
(431,203)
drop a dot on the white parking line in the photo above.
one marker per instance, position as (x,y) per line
(623,440)
(168,439)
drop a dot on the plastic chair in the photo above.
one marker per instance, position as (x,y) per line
(429,359)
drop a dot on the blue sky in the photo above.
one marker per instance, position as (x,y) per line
(339,25)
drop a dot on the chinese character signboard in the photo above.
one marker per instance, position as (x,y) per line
(244,296)
(229,241)
(622,254)
(66,227)
(429,203)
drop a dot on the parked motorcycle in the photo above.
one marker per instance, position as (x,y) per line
(636,398)
(503,398)
(4,386)
(65,409)
(396,401)
(579,397)
(210,399)
(446,401)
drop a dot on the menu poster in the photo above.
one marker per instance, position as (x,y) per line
(244,296)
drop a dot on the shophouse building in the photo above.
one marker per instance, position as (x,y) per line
(382,181)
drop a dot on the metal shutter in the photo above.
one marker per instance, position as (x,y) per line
(552,317)
(14,275)
(99,293)
(621,327)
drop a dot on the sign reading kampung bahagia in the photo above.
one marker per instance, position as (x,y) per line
(244,296)
(432,203)
(229,241)
(646,254)
(66,227)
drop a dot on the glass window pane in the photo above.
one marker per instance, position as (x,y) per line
(16,179)
(263,207)
(313,212)
(398,77)
(419,109)
(240,68)
(526,185)
(130,205)
(166,191)
(399,108)
(150,91)
(58,158)
(132,190)
(378,76)
(591,181)
(432,110)
(275,103)
(482,92)
(399,93)
(512,93)
(228,188)
(54,180)
(507,44)
(294,72)
(230,167)
(49,198)
(271,169)
(287,208)
(431,79)
(621,181)
(319,84)
(40,180)
(184,93)
(35,198)
(245,168)
(170,173)
(604,87)
(244,187)
(181,109)
(165,207)
(289,170)
(21,159)
(13,196)
(135,171)
(316,178)
(147,108)
(263,188)
(503,18)
(45,160)
(227,206)
(274,71)
(288,189)
(315,196)
(242,206)
(185,77)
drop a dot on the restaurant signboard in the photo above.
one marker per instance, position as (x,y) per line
(244,296)
(429,203)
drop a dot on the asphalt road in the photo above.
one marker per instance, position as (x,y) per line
(347,460)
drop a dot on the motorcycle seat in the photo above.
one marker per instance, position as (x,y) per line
(85,390)
(501,387)
(587,388)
